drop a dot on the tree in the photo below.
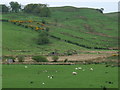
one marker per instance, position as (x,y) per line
(43,38)
(4,8)
(15,6)
(37,9)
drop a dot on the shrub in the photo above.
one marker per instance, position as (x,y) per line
(26,26)
(9,57)
(43,38)
(47,29)
(43,21)
(21,58)
(66,60)
(55,58)
(40,58)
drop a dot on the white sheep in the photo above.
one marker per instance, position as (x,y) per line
(51,77)
(91,69)
(45,70)
(26,67)
(74,73)
(79,68)
(43,83)
(76,68)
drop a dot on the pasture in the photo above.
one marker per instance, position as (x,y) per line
(38,76)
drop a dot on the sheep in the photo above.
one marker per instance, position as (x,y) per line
(76,68)
(26,67)
(91,69)
(43,83)
(79,68)
(74,73)
(51,77)
(45,70)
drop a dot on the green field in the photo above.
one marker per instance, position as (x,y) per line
(17,76)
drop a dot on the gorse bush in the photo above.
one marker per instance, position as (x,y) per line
(40,58)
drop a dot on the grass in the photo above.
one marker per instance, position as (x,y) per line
(17,76)
(19,38)
(85,26)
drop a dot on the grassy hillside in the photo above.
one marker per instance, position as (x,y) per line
(74,29)
(18,40)
(114,15)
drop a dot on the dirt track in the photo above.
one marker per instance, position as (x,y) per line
(81,57)
(84,57)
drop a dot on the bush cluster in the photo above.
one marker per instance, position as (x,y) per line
(40,58)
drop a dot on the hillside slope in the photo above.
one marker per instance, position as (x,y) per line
(70,29)
(21,41)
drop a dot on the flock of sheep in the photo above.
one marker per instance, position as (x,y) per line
(74,72)
(80,68)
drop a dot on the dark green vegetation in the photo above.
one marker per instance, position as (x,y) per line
(37,9)
(4,8)
(15,6)
(55,58)
(70,28)
(41,10)
(43,38)
(40,58)
(21,58)
(36,76)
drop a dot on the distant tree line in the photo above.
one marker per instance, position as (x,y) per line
(41,10)
(37,9)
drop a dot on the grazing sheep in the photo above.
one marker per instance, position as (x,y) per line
(91,69)
(76,68)
(74,73)
(43,83)
(79,68)
(45,70)
(26,67)
(48,76)
(51,77)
